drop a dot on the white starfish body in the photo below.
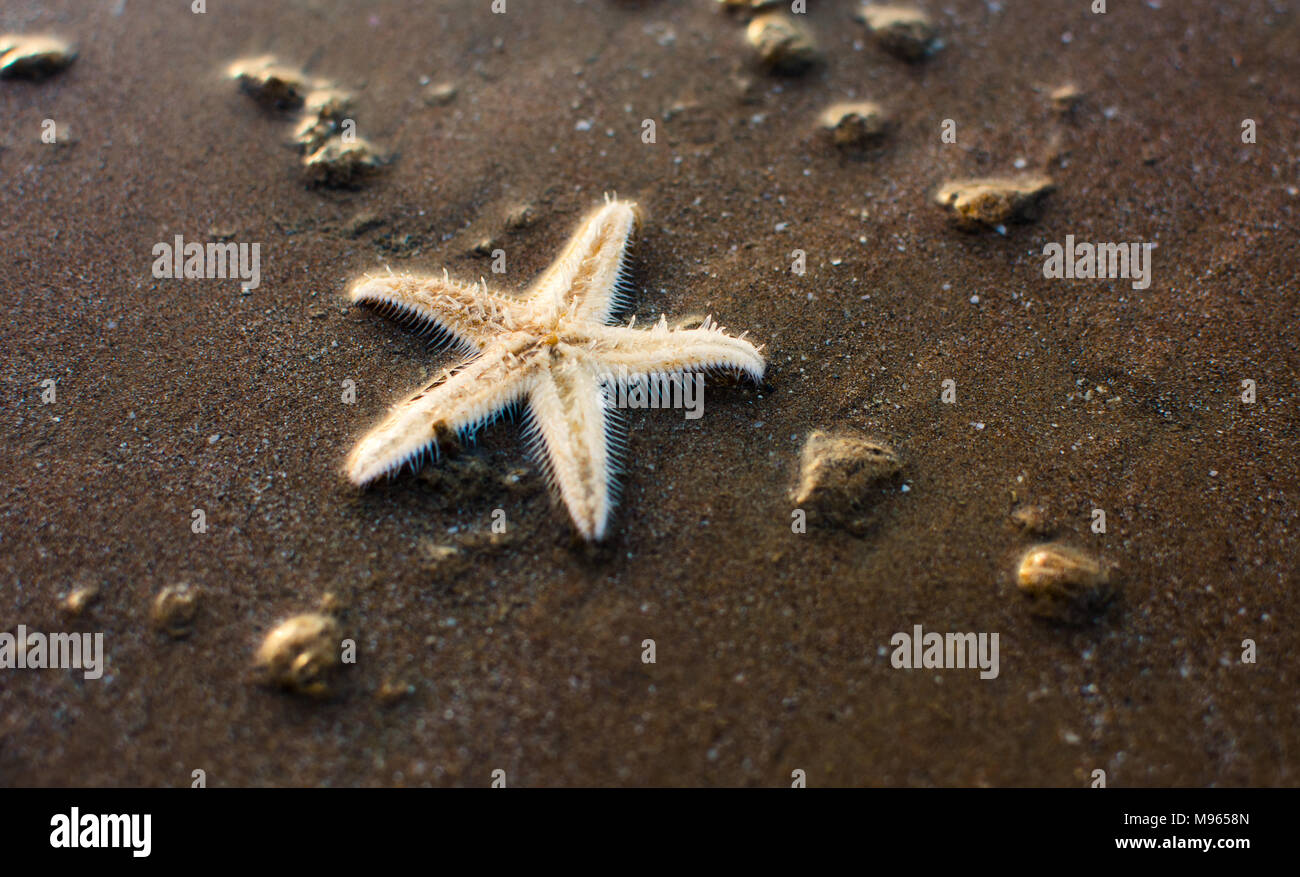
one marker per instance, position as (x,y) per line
(550,348)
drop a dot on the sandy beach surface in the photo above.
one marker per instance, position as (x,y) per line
(524,652)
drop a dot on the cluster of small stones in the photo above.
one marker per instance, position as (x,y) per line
(34,57)
(994,202)
(784,46)
(841,473)
(332,156)
(902,31)
(299,655)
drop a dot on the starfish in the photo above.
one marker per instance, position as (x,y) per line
(552,348)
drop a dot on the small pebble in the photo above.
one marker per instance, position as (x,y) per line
(339,164)
(440,94)
(854,125)
(299,653)
(363,222)
(34,57)
(838,471)
(1032,519)
(992,201)
(782,44)
(174,609)
(1066,98)
(483,247)
(392,692)
(520,216)
(1064,584)
(63,136)
(271,83)
(332,603)
(78,599)
(328,103)
(442,560)
(903,31)
(323,112)
(747,88)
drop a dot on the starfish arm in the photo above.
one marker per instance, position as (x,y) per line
(567,428)
(465,315)
(586,281)
(458,402)
(626,353)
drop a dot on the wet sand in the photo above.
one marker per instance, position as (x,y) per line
(772,647)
